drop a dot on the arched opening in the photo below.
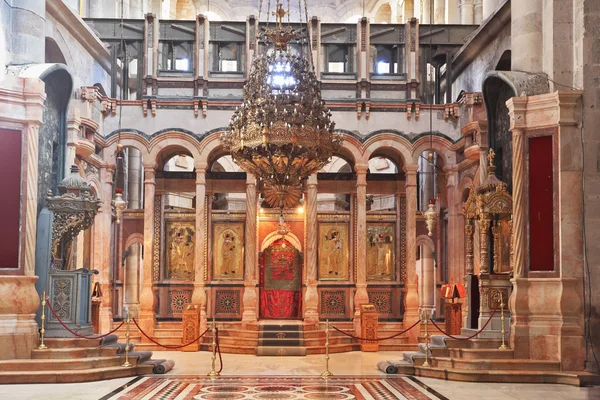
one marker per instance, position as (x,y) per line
(185,9)
(382,185)
(53,53)
(504,64)
(496,93)
(53,132)
(333,178)
(176,167)
(384,14)
(223,170)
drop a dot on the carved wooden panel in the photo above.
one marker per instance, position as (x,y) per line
(228,250)
(180,245)
(381,251)
(333,251)
(228,303)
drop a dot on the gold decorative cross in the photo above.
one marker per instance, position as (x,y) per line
(491,156)
(279,13)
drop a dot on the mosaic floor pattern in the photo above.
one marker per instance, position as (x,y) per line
(271,388)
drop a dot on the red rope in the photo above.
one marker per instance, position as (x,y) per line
(165,345)
(219,349)
(378,339)
(473,335)
(77,334)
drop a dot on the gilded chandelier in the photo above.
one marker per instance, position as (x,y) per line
(282,132)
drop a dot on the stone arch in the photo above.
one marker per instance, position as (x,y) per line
(134,238)
(210,149)
(274,236)
(128,139)
(382,12)
(352,150)
(389,144)
(165,142)
(53,53)
(438,144)
(426,241)
(465,185)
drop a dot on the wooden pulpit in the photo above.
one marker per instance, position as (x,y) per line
(369,320)
(191,327)
(453,310)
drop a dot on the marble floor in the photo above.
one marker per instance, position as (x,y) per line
(345,364)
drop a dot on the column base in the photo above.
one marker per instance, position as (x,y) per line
(249,304)
(411,312)
(547,321)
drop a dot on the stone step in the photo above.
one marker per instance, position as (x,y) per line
(336,340)
(63,364)
(281,327)
(404,347)
(473,343)
(508,365)
(58,343)
(281,342)
(480,354)
(69,353)
(502,376)
(72,376)
(285,351)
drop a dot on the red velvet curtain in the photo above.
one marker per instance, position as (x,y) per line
(280,281)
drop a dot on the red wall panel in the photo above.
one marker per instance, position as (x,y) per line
(541,204)
(10,182)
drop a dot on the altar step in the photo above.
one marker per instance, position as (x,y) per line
(481,360)
(69,360)
(281,339)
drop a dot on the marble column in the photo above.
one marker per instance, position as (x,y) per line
(311,298)
(132,262)
(411,303)
(26,35)
(478,12)
(199,293)
(147,309)
(466,10)
(361,296)
(469,270)
(527,36)
(439,11)
(452,16)
(455,234)
(428,295)
(250,299)
(102,238)
(426,17)
(490,7)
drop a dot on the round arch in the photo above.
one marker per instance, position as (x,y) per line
(134,140)
(173,141)
(134,238)
(274,236)
(391,145)
(426,241)
(436,143)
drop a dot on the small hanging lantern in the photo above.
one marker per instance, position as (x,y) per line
(430,216)
(118,205)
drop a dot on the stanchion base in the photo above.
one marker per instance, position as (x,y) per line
(42,347)
(213,373)
(504,347)
(326,374)
(425,364)
(126,365)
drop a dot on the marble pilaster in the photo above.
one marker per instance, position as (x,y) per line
(455,233)
(131,294)
(311,300)
(250,299)
(199,293)
(439,11)
(361,296)
(466,10)
(102,242)
(147,320)
(411,303)
(428,286)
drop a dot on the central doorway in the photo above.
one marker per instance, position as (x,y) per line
(280,284)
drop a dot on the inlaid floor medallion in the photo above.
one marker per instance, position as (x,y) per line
(343,388)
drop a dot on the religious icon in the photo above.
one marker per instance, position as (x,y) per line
(228,250)
(180,250)
(333,251)
(381,255)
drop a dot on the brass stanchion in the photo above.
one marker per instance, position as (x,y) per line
(127,364)
(327,373)
(213,372)
(426,363)
(42,346)
(503,346)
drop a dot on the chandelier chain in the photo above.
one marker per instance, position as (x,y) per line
(268,11)
(308,36)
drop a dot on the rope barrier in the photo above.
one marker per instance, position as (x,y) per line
(165,345)
(77,334)
(473,335)
(219,350)
(378,339)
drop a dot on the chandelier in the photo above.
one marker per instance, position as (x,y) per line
(282,132)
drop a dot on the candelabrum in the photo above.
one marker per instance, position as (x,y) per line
(43,330)
(503,346)
(213,372)
(327,373)
(127,340)
(426,363)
